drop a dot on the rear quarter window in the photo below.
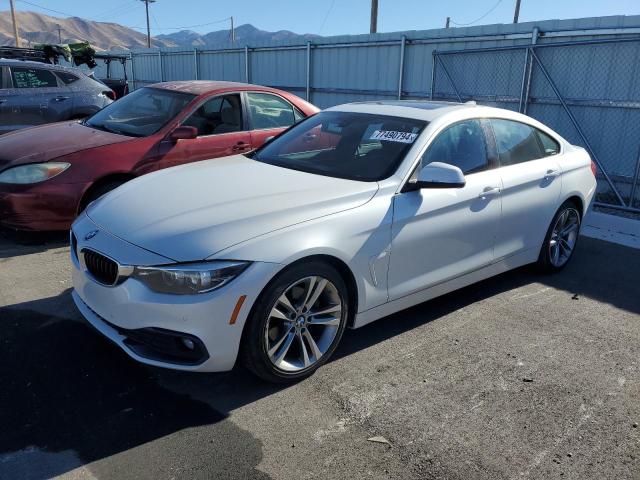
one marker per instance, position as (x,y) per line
(549,145)
(67,77)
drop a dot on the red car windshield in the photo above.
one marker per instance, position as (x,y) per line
(141,113)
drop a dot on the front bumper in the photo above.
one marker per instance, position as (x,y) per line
(39,207)
(129,307)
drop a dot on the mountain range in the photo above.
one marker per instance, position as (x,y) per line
(39,28)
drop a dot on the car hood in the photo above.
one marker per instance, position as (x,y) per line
(193,211)
(47,142)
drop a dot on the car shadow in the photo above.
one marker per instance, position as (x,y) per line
(65,388)
(15,244)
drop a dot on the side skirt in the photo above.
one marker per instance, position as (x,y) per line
(501,266)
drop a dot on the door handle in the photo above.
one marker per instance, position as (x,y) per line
(61,98)
(489,192)
(240,146)
(551,173)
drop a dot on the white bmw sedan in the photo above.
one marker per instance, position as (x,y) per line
(360,211)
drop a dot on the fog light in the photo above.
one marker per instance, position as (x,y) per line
(188,343)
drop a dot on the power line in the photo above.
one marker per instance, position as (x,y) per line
(226,19)
(479,18)
(47,9)
(326,16)
(118,10)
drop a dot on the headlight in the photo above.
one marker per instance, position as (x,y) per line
(33,173)
(190,278)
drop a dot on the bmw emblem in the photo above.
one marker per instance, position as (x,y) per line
(91,234)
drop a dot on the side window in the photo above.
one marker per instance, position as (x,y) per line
(32,78)
(67,77)
(270,111)
(219,115)
(462,145)
(550,146)
(515,142)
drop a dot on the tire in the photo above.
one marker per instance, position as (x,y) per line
(97,192)
(555,254)
(323,319)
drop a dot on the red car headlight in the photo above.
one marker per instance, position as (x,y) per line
(33,173)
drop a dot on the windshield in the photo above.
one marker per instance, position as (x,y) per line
(354,146)
(141,113)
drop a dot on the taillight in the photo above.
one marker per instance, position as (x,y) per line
(594,168)
(109,94)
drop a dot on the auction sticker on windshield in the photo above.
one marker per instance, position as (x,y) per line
(393,136)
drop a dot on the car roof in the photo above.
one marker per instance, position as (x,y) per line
(417,109)
(8,62)
(199,87)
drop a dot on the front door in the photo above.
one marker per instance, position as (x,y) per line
(441,233)
(221,132)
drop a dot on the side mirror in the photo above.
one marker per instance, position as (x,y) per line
(438,175)
(183,133)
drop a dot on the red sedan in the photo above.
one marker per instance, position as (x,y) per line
(50,173)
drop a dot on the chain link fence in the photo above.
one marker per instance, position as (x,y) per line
(587,91)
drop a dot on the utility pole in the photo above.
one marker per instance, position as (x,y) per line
(146,4)
(448,21)
(374,16)
(15,23)
(233,32)
(59,33)
(516,14)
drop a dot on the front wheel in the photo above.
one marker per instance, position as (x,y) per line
(561,239)
(297,323)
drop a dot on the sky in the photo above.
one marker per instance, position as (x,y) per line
(327,17)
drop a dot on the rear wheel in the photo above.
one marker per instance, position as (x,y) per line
(296,323)
(561,239)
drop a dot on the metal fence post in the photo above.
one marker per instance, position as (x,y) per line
(577,127)
(308,74)
(246,63)
(526,75)
(634,185)
(161,65)
(433,73)
(403,42)
(196,71)
(133,72)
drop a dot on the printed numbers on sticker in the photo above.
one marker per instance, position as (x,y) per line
(393,136)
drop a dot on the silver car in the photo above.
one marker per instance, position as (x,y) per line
(33,93)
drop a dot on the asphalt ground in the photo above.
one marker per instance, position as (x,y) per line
(522,376)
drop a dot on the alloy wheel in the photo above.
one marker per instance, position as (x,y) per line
(303,323)
(563,237)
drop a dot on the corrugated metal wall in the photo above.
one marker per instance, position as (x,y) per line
(361,67)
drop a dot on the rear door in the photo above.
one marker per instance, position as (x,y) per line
(222,131)
(71,93)
(269,114)
(532,185)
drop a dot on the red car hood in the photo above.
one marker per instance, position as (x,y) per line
(47,142)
